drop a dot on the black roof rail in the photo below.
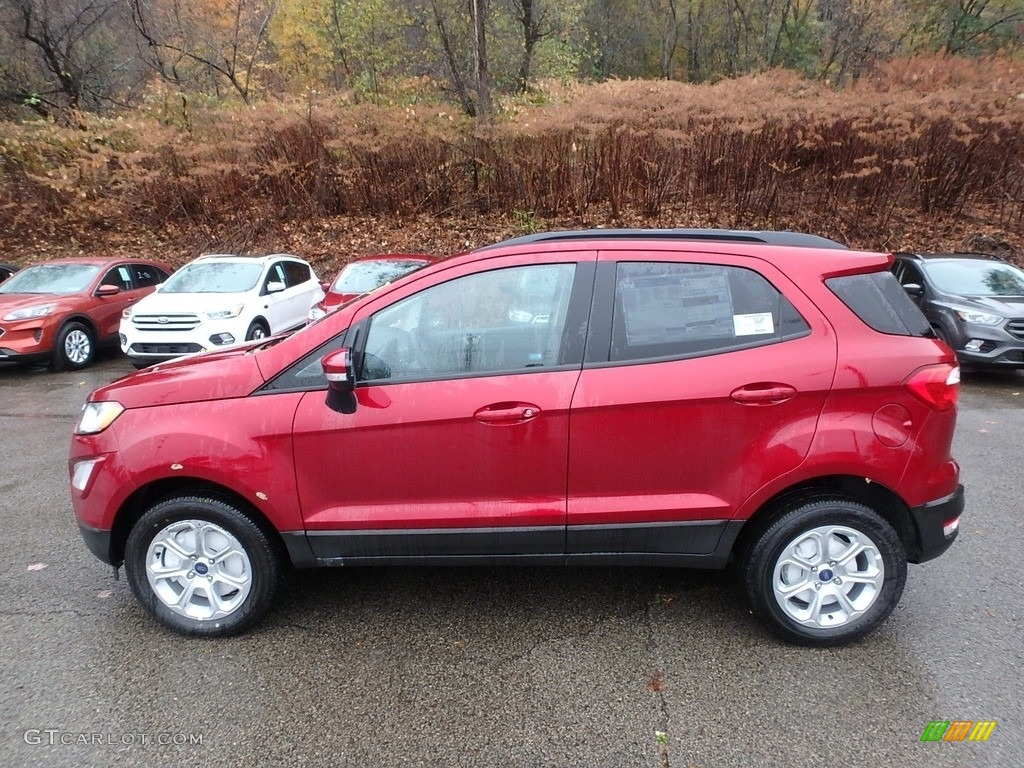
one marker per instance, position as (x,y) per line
(708,235)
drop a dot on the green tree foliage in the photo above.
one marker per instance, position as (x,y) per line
(355,44)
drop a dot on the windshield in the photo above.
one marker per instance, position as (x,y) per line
(214,277)
(61,279)
(976,278)
(364,276)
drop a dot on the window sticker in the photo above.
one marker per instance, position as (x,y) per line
(673,307)
(753,325)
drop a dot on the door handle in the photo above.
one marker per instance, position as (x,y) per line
(763,393)
(507,413)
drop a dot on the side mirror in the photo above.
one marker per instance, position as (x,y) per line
(275,286)
(108,290)
(913,289)
(338,369)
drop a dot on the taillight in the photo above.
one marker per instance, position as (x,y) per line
(936,385)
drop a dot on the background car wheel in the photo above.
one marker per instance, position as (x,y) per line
(942,335)
(826,572)
(202,567)
(75,347)
(257,330)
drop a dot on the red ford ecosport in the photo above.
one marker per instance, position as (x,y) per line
(667,397)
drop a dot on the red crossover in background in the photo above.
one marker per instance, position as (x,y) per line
(60,311)
(366,274)
(676,397)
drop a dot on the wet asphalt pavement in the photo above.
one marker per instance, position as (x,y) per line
(498,667)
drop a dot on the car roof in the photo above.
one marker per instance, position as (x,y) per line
(798,239)
(101,261)
(424,257)
(948,256)
(246,256)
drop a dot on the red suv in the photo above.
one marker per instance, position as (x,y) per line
(667,398)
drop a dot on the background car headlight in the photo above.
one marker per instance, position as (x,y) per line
(315,313)
(981,318)
(126,313)
(223,314)
(40,310)
(98,416)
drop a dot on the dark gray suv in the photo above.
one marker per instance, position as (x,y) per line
(974,303)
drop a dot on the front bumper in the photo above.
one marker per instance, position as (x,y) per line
(158,346)
(25,341)
(988,346)
(935,525)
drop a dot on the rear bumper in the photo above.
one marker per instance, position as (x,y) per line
(931,520)
(97,541)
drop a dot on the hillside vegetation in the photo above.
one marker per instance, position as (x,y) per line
(925,153)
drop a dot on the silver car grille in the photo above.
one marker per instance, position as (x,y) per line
(166,322)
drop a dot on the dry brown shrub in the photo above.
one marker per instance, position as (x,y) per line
(918,144)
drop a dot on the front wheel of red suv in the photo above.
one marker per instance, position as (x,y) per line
(826,572)
(201,566)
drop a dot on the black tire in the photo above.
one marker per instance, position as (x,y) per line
(257,330)
(794,531)
(216,522)
(942,336)
(74,347)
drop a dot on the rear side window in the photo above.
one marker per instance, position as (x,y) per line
(676,310)
(147,275)
(297,273)
(880,301)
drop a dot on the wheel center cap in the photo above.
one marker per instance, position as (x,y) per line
(825,575)
(202,568)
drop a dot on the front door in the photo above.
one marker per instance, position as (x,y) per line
(457,444)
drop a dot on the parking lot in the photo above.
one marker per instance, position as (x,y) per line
(498,667)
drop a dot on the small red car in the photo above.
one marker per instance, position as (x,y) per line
(669,397)
(60,311)
(366,274)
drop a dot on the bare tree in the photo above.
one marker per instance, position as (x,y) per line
(69,54)
(223,40)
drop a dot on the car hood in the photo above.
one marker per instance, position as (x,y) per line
(1007,306)
(176,303)
(12,301)
(196,378)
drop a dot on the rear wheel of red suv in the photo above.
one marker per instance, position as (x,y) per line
(826,572)
(201,566)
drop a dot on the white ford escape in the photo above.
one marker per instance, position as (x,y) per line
(217,301)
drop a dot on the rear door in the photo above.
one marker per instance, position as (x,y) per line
(704,378)
(457,441)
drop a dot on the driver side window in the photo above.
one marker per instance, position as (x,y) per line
(502,321)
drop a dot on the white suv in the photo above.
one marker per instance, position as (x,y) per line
(217,301)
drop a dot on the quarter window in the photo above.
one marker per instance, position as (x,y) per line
(505,320)
(679,310)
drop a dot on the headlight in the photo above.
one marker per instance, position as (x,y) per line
(126,313)
(40,310)
(981,318)
(98,416)
(224,314)
(315,313)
